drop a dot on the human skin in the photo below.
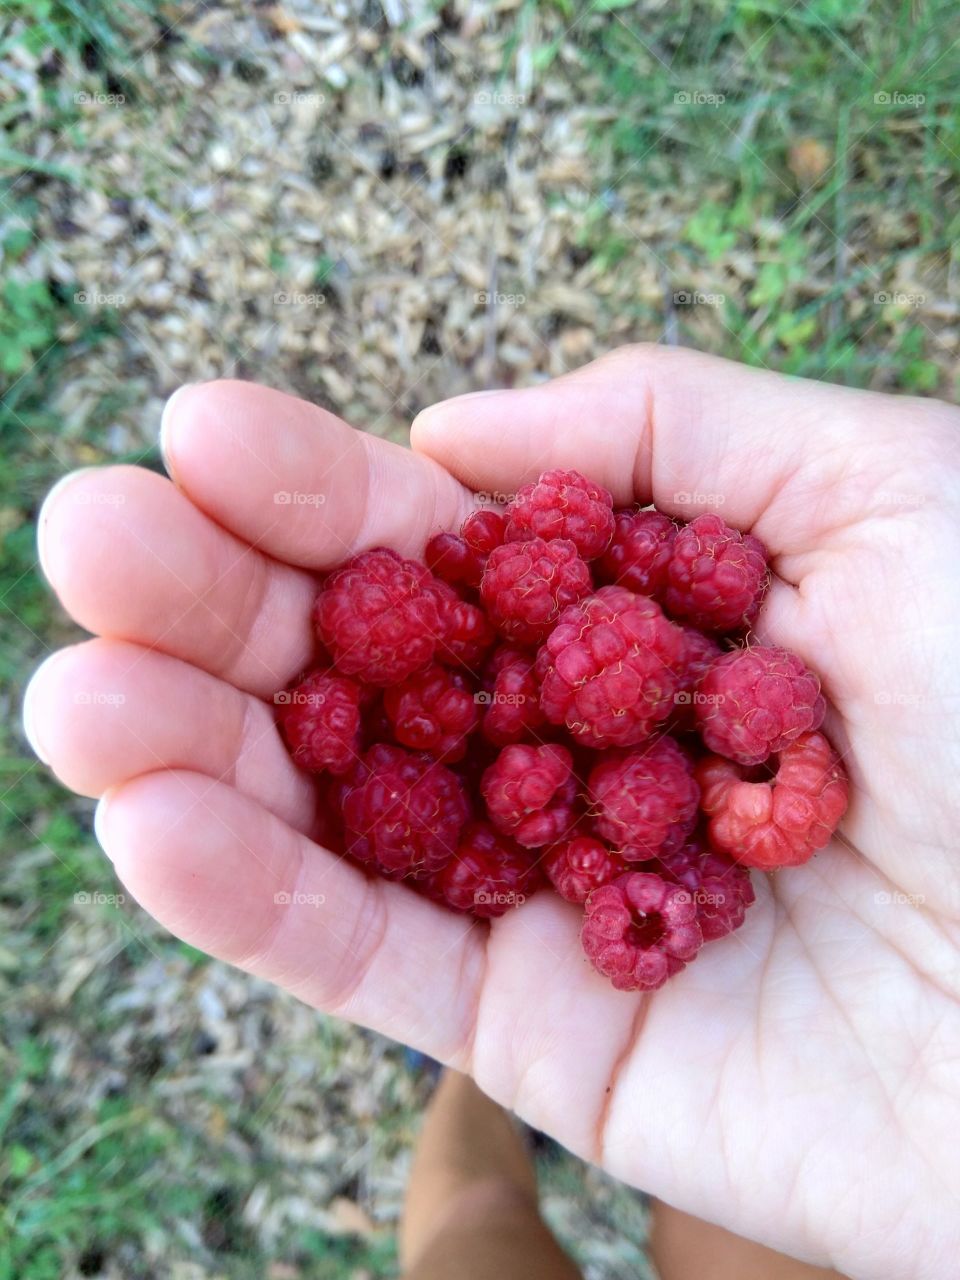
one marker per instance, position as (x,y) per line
(800,1084)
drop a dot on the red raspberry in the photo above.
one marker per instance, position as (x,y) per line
(755,701)
(466,634)
(563,504)
(784,820)
(526,584)
(530,793)
(640,552)
(721,889)
(402,813)
(577,866)
(320,720)
(646,799)
(484,530)
(434,710)
(452,560)
(378,617)
(717,576)
(512,698)
(488,874)
(640,930)
(461,559)
(700,651)
(608,669)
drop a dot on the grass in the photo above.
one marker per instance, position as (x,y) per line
(717,95)
(125,1158)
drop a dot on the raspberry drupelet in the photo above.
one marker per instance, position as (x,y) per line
(525,586)
(608,670)
(563,504)
(780,821)
(530,793)
(716,577)
(320,721)
(378,617)
(640,930)
(755,701)
(645,800)
(402,812)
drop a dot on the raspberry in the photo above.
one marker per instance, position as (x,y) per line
(484,530)
(526,584)
(640,552)
(402,813)
(700,651)
(433,710)
(608,669)
(512,700)
(465,631)
(530,793)
(378,617)
(756,701)
(488,874)
(646,800)
(320,720)
(640,930)
(717,576)
(563,504)
(577,866)
(461,559)
(452,560)
(781,821)
(721,889)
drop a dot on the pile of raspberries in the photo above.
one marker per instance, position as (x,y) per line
(565,694)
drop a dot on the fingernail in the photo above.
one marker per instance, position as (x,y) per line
(30,723)
(166,419)
(100,822)
(44,518)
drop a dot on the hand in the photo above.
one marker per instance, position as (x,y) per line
(800,1084)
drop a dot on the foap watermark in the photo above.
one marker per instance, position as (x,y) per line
(685,498)
(294,98)
(494,499)
(299,899)
(694,298)
(499,699)
(296,498)
(899,498)
(487,297)
(298,698)
(505,898)
(99,99)
(897,898)
(895,298)
(99,498)
(496,98)
(93,298)
(84,898)
(99,698)
(702,897)
(698,98)
(694,698)
(299,299)
(897,698)
(897,99)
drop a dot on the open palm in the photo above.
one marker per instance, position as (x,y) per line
(801,1083)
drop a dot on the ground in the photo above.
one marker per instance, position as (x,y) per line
(377,205)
